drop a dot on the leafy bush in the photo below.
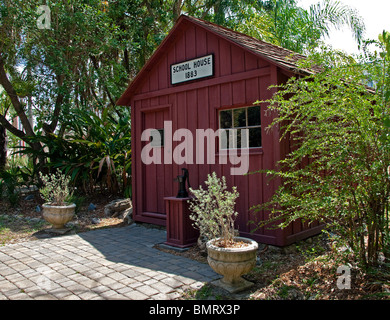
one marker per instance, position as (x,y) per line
(56,189)
(8,187)
(337,169)
(17,174)
(213,210)
(94,150)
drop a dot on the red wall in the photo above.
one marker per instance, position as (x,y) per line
(240,79)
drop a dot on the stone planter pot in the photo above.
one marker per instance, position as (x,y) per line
(57,216)
(232,263)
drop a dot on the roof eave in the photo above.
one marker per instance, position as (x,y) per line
(125,98)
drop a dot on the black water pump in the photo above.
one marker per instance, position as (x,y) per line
(182,184)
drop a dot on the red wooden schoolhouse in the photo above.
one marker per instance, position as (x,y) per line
(204,76)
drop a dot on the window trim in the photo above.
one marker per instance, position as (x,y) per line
(252,150)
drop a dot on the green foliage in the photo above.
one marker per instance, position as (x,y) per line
(16,174)
(95,150)
(213,209)
(8,187)
(285,23)
(56,189)
(382,70)
(83,62)
(69,75)
(78,200)
(103,150)
(337,168)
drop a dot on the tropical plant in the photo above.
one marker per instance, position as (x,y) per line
(281,22)
(96,149)
(8,187)
(213,210)
(16,174)
(83,61)
(292,27)
(105,145)
(338,126)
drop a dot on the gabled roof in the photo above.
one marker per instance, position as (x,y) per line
(281,57)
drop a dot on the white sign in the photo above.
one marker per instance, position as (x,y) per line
(193,69)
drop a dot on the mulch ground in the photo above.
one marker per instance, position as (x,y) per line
(24,222)
(306,270)
(303,271)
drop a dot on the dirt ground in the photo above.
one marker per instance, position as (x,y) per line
(306,270)
(24,222)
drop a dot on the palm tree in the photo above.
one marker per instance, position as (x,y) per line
(297,29)
(281,22)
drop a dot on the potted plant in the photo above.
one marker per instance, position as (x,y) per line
(57,210)
(213,213)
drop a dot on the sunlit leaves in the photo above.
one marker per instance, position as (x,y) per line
(337,169)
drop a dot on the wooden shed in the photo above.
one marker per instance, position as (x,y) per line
(204,76)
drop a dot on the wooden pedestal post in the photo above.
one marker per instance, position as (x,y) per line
(180,232)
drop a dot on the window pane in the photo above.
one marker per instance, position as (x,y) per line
(242,138)
(254,137)
(225,118)
(157,137)
(224,139)
(242,128)
(239,116)
(237,138)
(254,116)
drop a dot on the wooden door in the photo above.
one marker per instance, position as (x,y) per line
(154,174)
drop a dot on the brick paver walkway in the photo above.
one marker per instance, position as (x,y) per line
(116,263)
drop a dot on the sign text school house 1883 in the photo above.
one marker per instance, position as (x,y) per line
(193,69)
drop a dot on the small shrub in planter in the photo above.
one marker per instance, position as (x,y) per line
(213,214)
(213,210)
(56,192)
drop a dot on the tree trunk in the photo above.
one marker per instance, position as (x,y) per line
(3,148)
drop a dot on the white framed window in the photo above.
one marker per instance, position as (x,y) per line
(241,128)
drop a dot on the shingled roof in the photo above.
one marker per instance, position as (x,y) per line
(283,58)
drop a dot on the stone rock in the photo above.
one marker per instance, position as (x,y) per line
(36,220)
(95,220)
(121,208)
(127,214)
(202,243)
(29,197)
(117,206)
(91,207)
(72,224)
(107,211)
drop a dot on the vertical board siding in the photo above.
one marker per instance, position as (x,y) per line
(198,108)
(224,58)
(203,107)
(192,124)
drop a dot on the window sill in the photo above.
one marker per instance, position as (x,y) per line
(250,151)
